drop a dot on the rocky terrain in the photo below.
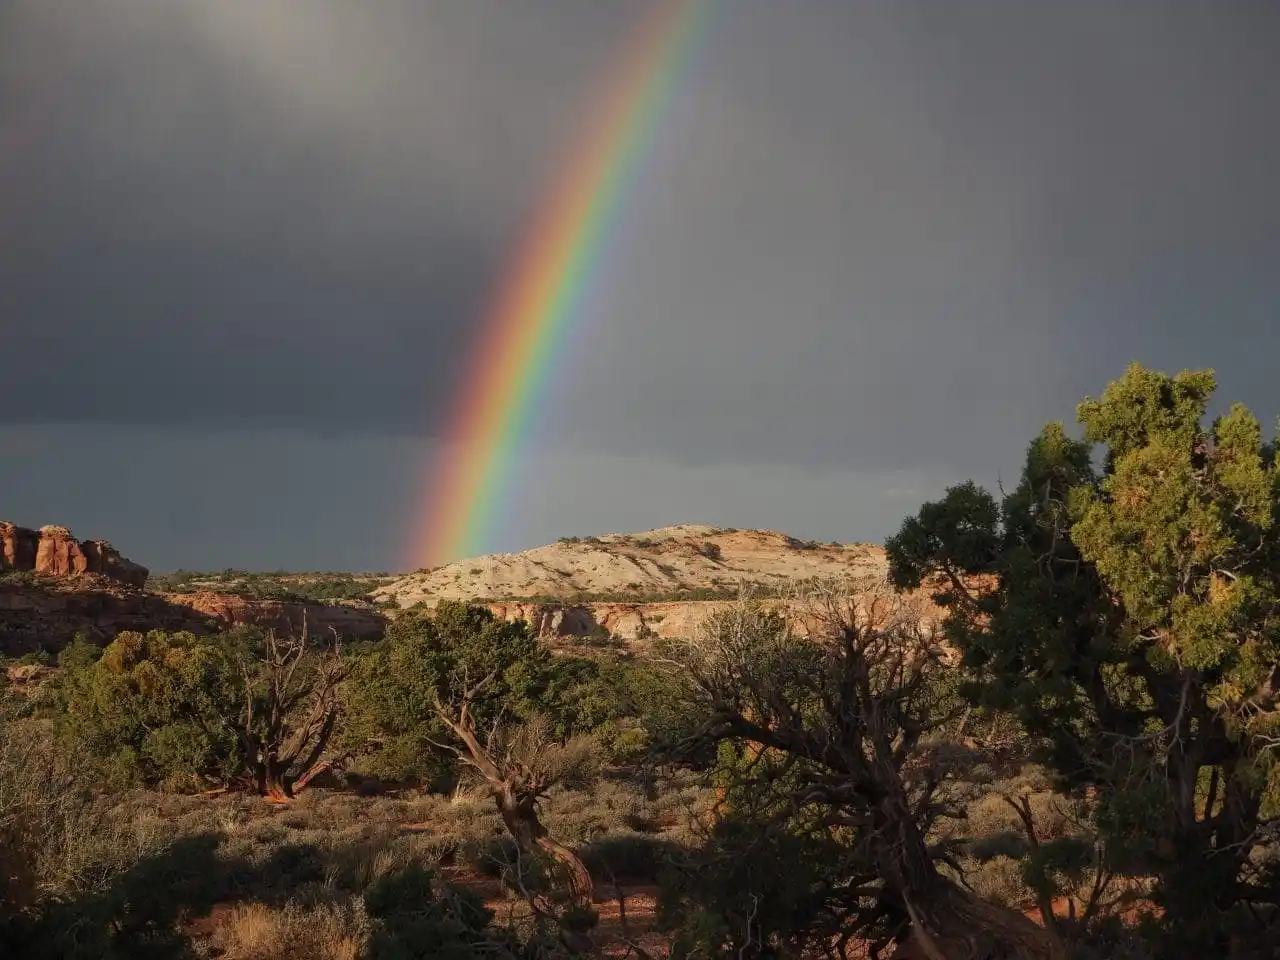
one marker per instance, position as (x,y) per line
(659,583)
(666,561)
(632,587)
(53,587)
(44,612)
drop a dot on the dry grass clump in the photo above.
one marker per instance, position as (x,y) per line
(326,931)
(56,837)
(999,880)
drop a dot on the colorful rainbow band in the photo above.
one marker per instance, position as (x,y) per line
(540,296)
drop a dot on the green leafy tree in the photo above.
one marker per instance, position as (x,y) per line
(181,711)
(391,701)
(465,685)
(1127,616)
(153,709)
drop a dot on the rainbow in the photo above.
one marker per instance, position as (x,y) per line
(542,291)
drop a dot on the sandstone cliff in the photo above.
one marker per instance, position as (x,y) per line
(53,551)
(635,623)
(661,583)
(670,560)
(627,621)
(351,621)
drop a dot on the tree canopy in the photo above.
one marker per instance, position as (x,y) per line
(1126,613)
(153,709)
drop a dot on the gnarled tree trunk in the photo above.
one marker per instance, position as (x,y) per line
(849,709)
(288,720)
(515,788)
(520,816)
(953,924)
(948,922)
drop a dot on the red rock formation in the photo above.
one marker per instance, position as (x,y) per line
(49,613)
(350,621)
(54,552)
(26,674)
(58,555)
(17,547)
(105,559)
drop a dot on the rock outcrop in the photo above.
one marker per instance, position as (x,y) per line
(86,587)
(645,566)
(18,547)
(48,612)
(678,576)
(626,621)
(637,622)
(351,621)
(53,551)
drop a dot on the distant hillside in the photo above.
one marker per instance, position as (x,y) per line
(682,562)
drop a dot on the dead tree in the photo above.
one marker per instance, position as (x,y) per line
(849,709)
(289,713)
(518,767)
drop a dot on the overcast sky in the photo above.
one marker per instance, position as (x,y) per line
(245,245)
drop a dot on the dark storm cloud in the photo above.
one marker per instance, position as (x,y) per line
(264,213)
(909,235)
(889,236)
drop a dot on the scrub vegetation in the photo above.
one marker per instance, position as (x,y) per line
(1070,750)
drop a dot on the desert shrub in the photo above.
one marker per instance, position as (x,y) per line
(373,896)
(79,653)
(255,931)
(333,588)
(180,712)
(36,658)
(751,890)
(999,880)
(153,709)
(29,814)
(631,857)
(419,917)
(709,550)
(293,588)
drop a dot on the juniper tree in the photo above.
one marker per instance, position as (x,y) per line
(1127,614)
(154,708)
(485,693)
(838,726)
(182,711)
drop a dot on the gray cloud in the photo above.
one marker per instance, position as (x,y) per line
(882,238)
(288,499)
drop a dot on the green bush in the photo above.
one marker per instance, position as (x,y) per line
(751,890)
(391,695)
(153,709)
